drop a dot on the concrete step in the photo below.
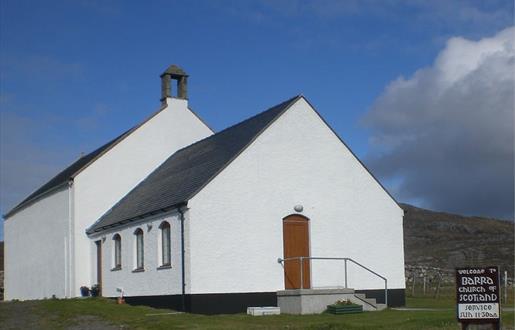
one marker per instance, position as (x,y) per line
(369,304)
(315,301)
(380,307)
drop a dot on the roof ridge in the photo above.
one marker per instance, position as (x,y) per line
(241,122)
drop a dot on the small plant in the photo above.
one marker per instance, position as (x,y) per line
(343,302)
(95,290)
(84,291)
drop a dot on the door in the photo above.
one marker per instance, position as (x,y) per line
(99,266)
(296,244)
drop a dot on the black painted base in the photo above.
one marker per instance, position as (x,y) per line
(216,303)
(167,301)
(396,297)
(231,303)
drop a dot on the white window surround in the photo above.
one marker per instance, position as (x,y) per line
(139,250)
(116,252)
(164,243)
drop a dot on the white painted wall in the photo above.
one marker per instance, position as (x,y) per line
(102,184)
(36,249)
(152,281)
(236,220)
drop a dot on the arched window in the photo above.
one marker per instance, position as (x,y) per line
(139,249)
(117,246)
(165,244)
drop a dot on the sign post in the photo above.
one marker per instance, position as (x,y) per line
(477,296)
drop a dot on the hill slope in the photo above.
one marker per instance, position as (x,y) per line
(444,240)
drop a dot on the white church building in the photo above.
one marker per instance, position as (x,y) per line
(172,214)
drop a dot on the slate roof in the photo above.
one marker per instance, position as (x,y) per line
(188,170)
(64,176)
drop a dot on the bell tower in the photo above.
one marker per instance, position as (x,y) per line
(173,72)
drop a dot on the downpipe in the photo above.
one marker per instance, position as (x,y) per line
(183,253)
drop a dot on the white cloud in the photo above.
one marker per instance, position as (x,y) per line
(447,132)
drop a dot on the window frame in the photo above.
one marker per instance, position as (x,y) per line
(139,246)
(165,245)
(117,252)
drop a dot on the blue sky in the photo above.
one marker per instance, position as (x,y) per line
(74,74)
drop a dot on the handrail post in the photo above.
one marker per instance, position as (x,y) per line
(301,273)
(345,268)
(386,292)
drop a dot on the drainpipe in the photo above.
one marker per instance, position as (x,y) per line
(183,252)
(70,255)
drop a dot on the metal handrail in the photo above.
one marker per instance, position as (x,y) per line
(281,260)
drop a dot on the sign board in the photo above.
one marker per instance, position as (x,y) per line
(477,293)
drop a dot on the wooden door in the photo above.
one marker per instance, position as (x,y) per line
(296,244)
(99,266)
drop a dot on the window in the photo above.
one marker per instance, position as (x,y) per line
(139,249)
(117,245)
(165,244)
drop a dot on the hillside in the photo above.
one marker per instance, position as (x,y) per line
(444,240)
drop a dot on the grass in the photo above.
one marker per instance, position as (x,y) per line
(101,313)
(428,302)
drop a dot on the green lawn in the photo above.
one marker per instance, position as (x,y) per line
(424,302)
(105,314)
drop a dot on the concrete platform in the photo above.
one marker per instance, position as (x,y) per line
(315,301)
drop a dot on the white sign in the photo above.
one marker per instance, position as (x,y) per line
(478,311)
(477,294)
